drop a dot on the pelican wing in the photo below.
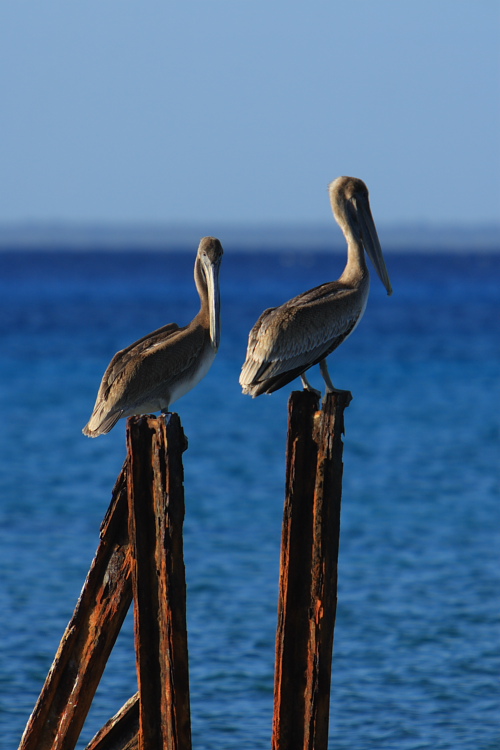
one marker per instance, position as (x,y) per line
(143,373)
(150,376)
(141,347)
(299,334)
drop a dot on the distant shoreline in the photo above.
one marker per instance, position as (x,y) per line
(313,238)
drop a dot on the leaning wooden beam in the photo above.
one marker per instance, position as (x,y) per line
(122,731)
(64,702)
(308,574)
(156,514)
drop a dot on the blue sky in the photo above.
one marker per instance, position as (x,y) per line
(239,111)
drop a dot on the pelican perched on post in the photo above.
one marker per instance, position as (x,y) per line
(157,370)
(288,340)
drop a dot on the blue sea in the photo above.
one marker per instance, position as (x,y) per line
(417,642)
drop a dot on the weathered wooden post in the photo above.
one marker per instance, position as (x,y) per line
(121,732)
(140,555)
(308,572)
(61,709)
(156,515)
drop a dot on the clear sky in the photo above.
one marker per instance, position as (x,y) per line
(239,110)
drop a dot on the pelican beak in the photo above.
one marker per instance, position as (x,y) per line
(212,277)
(371,241)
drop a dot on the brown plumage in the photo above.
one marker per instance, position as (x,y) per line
(155,371)
(289,339)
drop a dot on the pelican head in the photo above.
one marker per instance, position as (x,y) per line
(351,208)
(209,259)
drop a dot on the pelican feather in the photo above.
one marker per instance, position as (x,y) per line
(289,339)
(161,367)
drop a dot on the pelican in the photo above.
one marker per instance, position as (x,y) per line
(157,370)
(289,339)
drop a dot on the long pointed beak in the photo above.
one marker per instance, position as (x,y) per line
(212,276)
(371,242)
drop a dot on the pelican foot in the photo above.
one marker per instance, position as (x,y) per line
(308,387)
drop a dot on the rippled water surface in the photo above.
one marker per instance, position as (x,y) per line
(416,660)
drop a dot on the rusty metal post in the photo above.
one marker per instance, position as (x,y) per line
(308,572)
(63,705)
(156,514)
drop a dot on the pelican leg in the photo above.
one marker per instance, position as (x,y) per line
(330,388)
(307,386)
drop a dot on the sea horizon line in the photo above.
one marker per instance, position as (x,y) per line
(299,236)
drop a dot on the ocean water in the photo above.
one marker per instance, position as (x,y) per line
(417,640)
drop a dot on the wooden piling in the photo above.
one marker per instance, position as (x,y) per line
(121,732)
(308,572)
(140,555)
(69,689)
(156,514)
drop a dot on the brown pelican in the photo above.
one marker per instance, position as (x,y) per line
(161,367)
(288,340)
